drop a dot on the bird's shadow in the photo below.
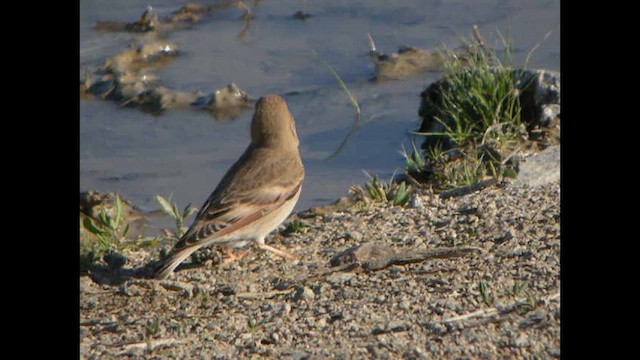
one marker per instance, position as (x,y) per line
(107,275)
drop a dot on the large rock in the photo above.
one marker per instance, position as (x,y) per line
(540,169)
(540,97)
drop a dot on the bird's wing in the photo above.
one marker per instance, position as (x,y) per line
(244,196)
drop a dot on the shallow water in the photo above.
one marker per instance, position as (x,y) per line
(186,152)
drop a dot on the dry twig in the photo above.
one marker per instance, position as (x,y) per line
(468,189)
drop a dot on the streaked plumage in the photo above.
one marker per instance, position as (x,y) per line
(256,195)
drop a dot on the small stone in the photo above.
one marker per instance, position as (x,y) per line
(85,283)
(416,202)
(304,293)
(298,355)
(285,310)
(419,353)
(340,278)
(437,328)
(540,169)
(321,323)
(519,251)
(396,326)
(392,326)
(356,236)
(311,322)
(505,237)
(521,340)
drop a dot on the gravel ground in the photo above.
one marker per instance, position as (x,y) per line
(499,299)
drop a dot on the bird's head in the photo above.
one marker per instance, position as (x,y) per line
(273,124)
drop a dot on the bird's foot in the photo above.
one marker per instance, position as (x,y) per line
(229,256)
(278,252)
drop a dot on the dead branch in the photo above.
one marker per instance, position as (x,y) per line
(492,311)
(263,295)
(465,190)
(151,344)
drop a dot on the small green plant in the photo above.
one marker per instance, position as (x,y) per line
(389,192)
(520,291)
(205,300)
(251,324)
(294,227)
(517,289)
(179,216)
(416,165)
(108,234)
(525,306)
(107,228)
(152,328)
(485,293)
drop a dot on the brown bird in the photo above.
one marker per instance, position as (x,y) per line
(255,196)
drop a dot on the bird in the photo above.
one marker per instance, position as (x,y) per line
(256,194)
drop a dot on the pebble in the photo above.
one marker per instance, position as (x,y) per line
(521,340)
(355,236)
(303,293)
(285,310)
(416,202)
(340,278)
(85,283)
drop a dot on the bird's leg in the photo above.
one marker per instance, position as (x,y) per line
(282,253)
(230,257)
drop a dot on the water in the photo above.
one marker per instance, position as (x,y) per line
(186,152)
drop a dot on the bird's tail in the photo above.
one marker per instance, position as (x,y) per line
(172,261)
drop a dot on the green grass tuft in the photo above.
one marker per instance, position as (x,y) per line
(477,114)
(179,217)
(391,192)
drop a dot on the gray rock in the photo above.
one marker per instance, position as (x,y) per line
(416,202)
(540,169)
(392,326)
(540,94)
(355,235)
(303,293)
(340,278)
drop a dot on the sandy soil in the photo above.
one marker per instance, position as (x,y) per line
(499,299)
